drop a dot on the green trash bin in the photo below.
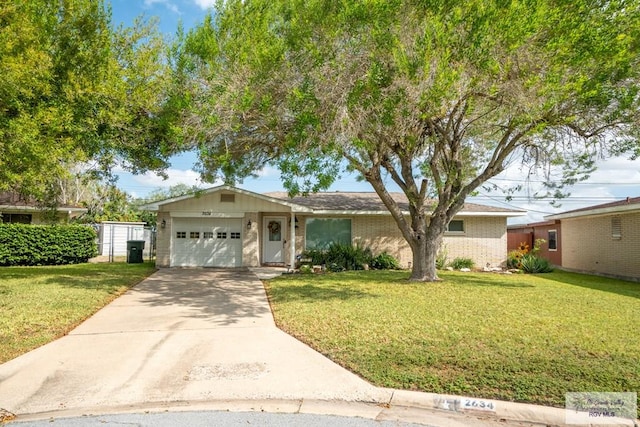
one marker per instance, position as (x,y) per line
(135,249)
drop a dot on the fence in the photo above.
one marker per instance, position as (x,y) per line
(113,237)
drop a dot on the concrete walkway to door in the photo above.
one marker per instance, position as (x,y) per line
(182,335)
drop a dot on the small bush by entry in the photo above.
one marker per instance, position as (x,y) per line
(341,257)
(22,244)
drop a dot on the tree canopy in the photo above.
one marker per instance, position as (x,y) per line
(75,90)
(437,95)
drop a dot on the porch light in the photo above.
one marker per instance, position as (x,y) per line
(163,224)
(249,225)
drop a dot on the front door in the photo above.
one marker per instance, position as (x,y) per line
(273,238)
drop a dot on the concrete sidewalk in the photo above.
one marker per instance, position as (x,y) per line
(205,339)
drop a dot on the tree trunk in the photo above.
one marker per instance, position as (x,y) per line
(425,252)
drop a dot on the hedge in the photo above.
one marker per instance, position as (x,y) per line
(22,244)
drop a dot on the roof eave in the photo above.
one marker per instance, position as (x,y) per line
(155,206)
(36,209)
(464,214)
(596,212)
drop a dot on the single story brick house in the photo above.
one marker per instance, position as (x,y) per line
(229,227)
(602,239)
(549,231)
(17,209)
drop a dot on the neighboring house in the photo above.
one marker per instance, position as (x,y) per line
(602,239)
(16,209)
(549,231)
(229,227)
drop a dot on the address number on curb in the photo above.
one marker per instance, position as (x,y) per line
(477,405)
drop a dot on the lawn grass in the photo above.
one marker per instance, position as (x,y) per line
(524,338)
(40,304)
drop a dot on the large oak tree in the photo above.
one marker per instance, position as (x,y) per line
(437,95)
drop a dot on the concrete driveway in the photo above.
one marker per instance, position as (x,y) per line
(205,339)
(182,335)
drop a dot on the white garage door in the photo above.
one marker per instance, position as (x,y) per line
(197,242)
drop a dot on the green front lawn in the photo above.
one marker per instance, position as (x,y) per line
(526,338)
(40,304)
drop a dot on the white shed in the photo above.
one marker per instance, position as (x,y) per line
(113,236)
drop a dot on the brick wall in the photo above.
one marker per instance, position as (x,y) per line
(484,239)
(588,246)
(381,233)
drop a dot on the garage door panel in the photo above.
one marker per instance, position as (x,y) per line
(207,242)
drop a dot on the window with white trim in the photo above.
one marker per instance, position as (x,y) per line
(455,226)
(322,232)
(181,234)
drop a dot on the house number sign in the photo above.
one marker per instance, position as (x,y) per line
(206,213)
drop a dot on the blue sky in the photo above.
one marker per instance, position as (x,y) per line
(615,178)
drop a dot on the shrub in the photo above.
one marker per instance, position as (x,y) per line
(441,258)
(385,261)
(341,257)
(335,268)
(348,257)
(534,264)
(22,244)
(513,258)
(306,269)
(316,256)
(459,263)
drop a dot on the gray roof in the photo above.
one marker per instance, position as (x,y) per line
(626,205)
(339,202)
(11,200)
(369,202)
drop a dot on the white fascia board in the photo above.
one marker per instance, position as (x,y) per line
(123,222)
(205,214)
(596,212)
(492,214)
(155,206)
(351,212)
(405,213)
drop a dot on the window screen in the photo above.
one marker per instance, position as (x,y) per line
(553,240)
(456,225)
(322,232)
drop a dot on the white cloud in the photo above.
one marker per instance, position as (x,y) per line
(268,172)
(167,3)
(141,185)
(615,179)
(205,4)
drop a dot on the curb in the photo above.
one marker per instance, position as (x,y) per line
(497,409)
(404,406)
(500,410)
